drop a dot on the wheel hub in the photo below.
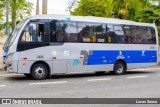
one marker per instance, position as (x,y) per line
(119,68)
(39,71)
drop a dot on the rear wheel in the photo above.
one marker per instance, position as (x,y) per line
(119,68)
(39,71)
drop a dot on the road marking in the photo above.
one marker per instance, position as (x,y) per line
(2,85)
(45,83)
(145,69)
(139,69)
(103,79)
(137,76)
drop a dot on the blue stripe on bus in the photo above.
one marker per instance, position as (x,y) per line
(110,57)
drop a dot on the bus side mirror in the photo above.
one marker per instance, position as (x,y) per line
(30,30)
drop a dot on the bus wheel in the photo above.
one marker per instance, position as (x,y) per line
(119,68)
(39,71)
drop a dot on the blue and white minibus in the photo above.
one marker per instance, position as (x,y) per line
(46,45)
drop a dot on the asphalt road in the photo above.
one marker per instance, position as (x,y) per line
(139,83)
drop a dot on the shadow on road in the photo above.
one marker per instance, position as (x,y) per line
(80,75)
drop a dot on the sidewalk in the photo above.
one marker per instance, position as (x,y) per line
(2,41)
(1,53)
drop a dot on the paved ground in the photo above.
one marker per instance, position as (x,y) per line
(1,53)
(2,41)
(140,83)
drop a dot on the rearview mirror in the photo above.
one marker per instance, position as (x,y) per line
(30,30)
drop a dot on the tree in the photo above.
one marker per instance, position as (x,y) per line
(102,8)
(2,8)
(149,15)
(71,5)
(20,9)
(129,9)
(122,9)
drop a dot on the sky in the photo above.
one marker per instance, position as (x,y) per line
(54,6)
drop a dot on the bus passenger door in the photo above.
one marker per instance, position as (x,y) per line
(33,45)
(57,47)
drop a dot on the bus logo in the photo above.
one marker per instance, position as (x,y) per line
(6,101)
(143,53)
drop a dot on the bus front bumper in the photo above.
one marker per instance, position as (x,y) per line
(10,67)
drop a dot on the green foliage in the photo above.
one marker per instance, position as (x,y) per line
(150,14)
(123,9)
(22,8)
(128,9)
(19,10)
(2,5)
(136,10)
(102,8)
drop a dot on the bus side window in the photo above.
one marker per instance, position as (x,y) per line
(41,36)
(153,34)
(57,31)
(71,32)
(35,32)
(127,35)
(27,36)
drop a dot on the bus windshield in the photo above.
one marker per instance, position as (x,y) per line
(13,35)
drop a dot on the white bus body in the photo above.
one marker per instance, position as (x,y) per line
(77,44)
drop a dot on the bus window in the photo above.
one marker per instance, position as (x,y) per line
(142,35)
(38,33)
(71,32)
(115,34)
(29,37)
(100,31)
(86,32)
(153,35)
(57,31)
(41,36)
(119,34)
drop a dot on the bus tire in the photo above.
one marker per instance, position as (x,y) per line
(39,71)
(119,68)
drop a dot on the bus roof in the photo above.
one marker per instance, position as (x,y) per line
(91,19)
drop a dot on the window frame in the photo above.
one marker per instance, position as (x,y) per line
(37,22)
(105,37)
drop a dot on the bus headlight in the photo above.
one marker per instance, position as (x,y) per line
(10,55)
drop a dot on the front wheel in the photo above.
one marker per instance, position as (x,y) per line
(39,71)
(119,68)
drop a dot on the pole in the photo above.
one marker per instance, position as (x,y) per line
(37,8)
(7,16)
(44,7)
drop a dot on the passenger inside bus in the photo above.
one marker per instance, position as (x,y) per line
(41,35)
